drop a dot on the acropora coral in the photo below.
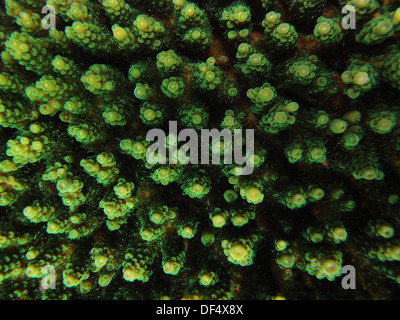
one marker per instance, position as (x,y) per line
(78,193)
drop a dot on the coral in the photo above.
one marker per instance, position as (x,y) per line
(236,19)
(303,179)
(327,31)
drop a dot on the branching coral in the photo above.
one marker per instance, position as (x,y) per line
(79,194)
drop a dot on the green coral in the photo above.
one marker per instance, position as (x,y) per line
(173,87)
(376,30)
(168,61)
(194,117)
(100,115)
(282,36)
(391,69)
(327,31)
(359,78)
(236,19)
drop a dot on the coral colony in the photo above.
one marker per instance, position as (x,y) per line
(88,212)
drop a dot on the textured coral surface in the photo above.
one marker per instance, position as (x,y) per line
(79,197)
